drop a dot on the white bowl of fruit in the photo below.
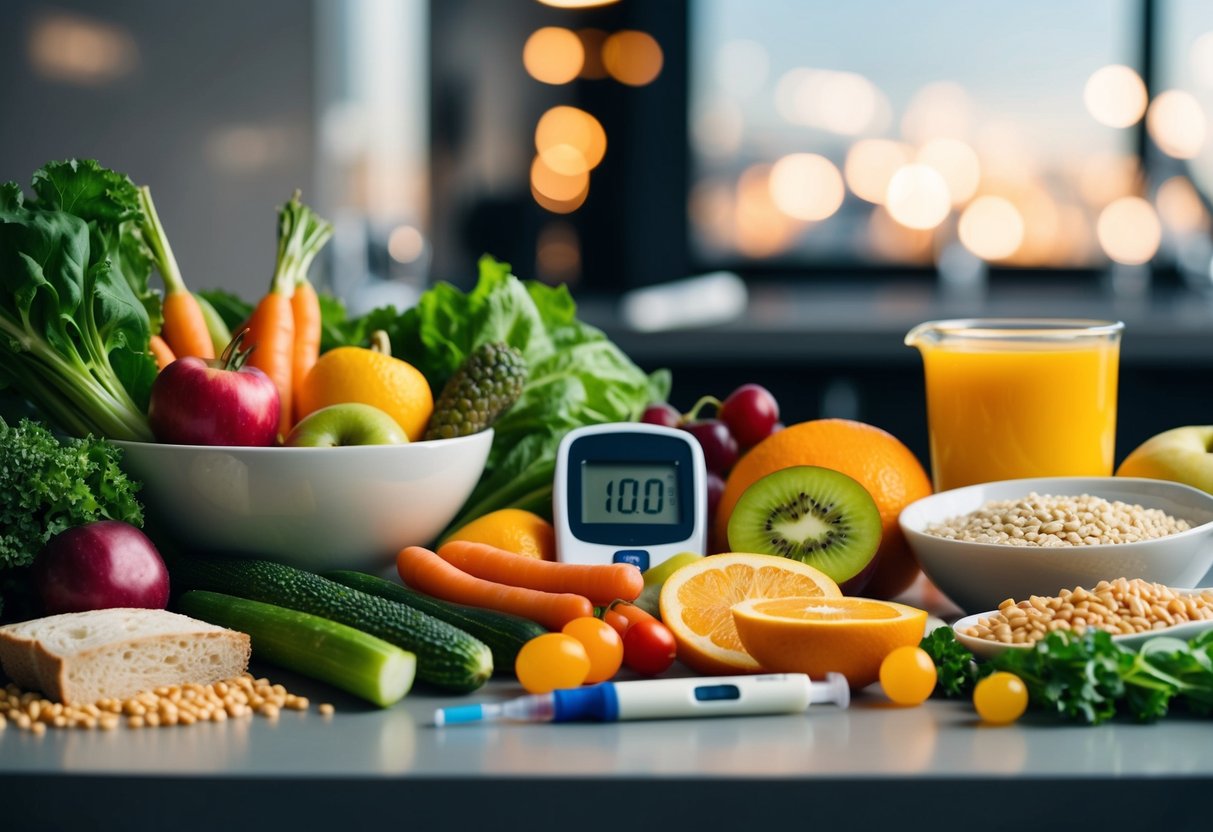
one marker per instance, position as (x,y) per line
(374,464)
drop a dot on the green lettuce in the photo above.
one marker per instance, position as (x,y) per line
(76,314)
(577,375)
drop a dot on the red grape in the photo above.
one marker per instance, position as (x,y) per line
(661,414)
(719,447)
(751,413)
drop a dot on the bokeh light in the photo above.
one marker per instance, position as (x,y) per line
(1115,96)
(957,163)
(806,186)
(718,131)
(632,58)
(577,4)
(1177,124)
(1180,207)
(557,191)
(553,55)
(892,241)
(845,103)
(870,164)
(762,230)
(570,141)
(1129,231)
(918,197)
(405,244)
(991,227)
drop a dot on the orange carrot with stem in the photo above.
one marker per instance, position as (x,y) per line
(184,329)
(301,235)
(305,305)
(161,352)
(602,583)
(426,572)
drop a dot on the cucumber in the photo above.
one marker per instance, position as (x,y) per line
(446,656)
(345,658)
(503,633)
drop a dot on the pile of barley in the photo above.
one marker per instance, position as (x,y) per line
(1045,520)
(162,707)
(1122,607)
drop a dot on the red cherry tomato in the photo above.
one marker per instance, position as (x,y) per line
(649,647)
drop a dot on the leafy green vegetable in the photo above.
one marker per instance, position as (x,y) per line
(47,486)
(956,671)
(74,301)
(577,377)
(1089,678)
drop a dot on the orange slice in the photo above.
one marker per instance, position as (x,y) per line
(816,635)
(696,602)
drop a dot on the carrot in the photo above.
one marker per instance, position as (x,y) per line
(271,335)
(184,328)
(305,306)
(301,235)
(161,352)
(602,583)
(426,572)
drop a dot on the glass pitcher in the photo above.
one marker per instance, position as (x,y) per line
(1011,398)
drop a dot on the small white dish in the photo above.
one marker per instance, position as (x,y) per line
(350,507)
(980,576)
(985,649)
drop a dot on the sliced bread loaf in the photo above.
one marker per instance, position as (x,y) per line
(81,657)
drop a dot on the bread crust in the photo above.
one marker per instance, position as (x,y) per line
(98,672)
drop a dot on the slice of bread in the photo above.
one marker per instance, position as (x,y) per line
(81,657)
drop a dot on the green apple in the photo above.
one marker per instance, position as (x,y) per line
(1183,455)
(351,423)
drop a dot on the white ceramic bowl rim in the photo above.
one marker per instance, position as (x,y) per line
(1040,484)
(327,450)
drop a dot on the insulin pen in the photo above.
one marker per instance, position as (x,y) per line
(771,693)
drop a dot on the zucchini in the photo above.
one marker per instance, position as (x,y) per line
(446,656)
(343,657)
(503,633)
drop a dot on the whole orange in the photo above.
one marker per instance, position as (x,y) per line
(875,458)
(369,376)
(512,529)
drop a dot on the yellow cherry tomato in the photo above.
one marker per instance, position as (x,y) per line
(551,661)
(1000,698)
(602,644)
(908,675)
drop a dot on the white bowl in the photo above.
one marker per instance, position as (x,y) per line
(984,648)
(316,508)
(980,576)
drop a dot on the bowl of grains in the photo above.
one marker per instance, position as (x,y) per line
(984,544)
(1132,611)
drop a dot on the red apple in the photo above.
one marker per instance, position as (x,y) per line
(100,565)
(216,402)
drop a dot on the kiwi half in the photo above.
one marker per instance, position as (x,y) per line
(814,515)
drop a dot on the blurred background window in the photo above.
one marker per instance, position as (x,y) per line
(880,133)
(612,144)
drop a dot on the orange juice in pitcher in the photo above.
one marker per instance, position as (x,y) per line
(1010,398)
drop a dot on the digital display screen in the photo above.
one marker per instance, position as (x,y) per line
(629,493)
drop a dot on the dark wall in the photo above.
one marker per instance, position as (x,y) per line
(216,114)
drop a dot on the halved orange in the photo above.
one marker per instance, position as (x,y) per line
(696,602)
(816,635)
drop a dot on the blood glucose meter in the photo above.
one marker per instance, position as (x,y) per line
(629,492)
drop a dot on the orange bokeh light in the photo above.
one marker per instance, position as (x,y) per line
(570,141)
(553,55)
(632,58)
